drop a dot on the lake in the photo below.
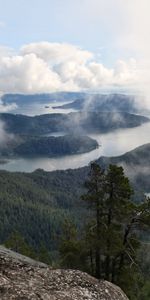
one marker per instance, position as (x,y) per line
(112,144)
(41,108)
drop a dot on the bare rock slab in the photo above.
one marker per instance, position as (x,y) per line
(22,279)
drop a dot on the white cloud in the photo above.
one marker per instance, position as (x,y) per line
(49,67)
(136,38)
(26,74)
(55,53)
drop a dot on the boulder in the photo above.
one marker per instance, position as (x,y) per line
(24,278)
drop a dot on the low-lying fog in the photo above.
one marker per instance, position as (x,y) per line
(112,144)
(40,109)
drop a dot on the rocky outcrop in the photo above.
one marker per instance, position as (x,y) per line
(23,278)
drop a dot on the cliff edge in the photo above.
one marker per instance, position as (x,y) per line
(24,278)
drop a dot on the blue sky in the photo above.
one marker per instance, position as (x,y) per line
(94,25)
(73,45)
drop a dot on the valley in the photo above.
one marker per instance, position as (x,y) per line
(37,203)
(55,143)
(45,161)
(61,141)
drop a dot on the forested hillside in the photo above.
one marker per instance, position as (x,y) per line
(36,203)
(136,164)
(35,207)
(35,146)
(80,121)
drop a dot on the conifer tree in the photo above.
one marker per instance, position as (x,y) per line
(109,247)
(17,243)
(95,198)
(118,207)
(72,248)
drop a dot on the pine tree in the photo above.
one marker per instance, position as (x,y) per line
(72,249)
(44,255)
(118,207)
(17,243)
(95,198)
(109,247)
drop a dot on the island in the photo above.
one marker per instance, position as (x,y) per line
(37,146)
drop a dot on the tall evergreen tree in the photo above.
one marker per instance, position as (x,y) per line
(17,243)
(118,207)
(72,248)
(112,234)
(95,197)
(109,247)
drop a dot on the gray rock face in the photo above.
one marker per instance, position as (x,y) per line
(22,278)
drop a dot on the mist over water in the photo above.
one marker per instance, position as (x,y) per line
(112,144)
(40,108)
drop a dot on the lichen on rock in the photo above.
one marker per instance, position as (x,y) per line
(22,278)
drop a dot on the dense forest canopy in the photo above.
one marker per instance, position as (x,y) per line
(83,121)
(37,146)
(43,213)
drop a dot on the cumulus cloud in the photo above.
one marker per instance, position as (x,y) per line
(49,67)
(55,53)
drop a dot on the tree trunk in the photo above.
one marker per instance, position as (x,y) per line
(108,259)
(91,262)
(97,254)
(107,268)
(113,275)
(125,239)
(98,264)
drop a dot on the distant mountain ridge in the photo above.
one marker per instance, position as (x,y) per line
(77,122)
(40,98)
(104,102)
(81,101)
(136,164)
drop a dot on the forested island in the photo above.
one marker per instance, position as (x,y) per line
(26,136)
(85,122)
(36,146)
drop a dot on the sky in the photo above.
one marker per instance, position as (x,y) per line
(94,25)
(67,45)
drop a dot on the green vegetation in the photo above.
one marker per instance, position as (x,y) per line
(42,213)
(136,164)
(29,136)
(72,122)
(32,146)
(17,243)
(56,146)
(109,245)
(106,231)
(36,204)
